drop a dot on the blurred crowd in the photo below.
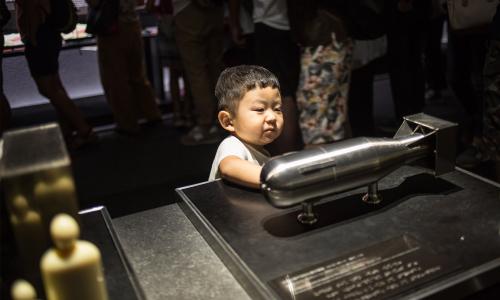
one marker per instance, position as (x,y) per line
(325,54)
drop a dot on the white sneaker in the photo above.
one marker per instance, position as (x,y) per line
(199,136)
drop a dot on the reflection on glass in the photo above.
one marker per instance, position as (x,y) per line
(28,230)
(291,289)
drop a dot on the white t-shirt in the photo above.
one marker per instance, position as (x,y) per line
(273,13)
(232,146)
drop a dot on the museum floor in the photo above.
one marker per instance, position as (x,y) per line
(131,174)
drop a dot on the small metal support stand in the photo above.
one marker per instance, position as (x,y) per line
(307,216)
(373,196)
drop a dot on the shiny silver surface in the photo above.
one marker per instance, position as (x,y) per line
(290,179)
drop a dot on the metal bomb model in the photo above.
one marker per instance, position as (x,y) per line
(305,176)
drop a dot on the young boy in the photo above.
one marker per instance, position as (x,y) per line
(250,110)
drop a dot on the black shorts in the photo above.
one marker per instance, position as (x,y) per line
(276,51)
(43,58)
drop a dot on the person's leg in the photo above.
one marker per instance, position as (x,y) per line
(466,54)
(404,53)
(434,59)
(143,96)
(416,76)
(479,47)
(43,63)
(361,101)
(192,32)
(215,45)
(51,87)
(460,71)
(405,74)
(291,137)
(114,78)
(289,62)
(275,51)
(190,26)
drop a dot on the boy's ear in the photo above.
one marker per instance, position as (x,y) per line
(225,120)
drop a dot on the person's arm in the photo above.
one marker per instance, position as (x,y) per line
(237,170)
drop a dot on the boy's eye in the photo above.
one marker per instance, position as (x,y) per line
(258,109)
(278,108)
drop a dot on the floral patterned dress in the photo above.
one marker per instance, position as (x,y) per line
(323,92)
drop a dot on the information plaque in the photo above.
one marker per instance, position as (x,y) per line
(376,272)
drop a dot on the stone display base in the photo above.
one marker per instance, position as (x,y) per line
(429,237)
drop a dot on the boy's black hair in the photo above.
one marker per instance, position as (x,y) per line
(235,82)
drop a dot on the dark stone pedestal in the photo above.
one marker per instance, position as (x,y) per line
(437,238)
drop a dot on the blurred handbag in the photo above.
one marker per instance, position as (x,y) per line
(471,14)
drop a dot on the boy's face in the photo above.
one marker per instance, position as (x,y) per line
(258,120)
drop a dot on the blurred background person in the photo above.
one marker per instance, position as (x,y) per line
(406,22)
(335,36)
(123,70)
(368,57)
(465,62)
(434,57)
(239,50)
(325,70)
(182,102)
(199,33)
(182,105)
(42,46)
(276,50)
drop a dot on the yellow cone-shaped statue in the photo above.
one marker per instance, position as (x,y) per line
(23,290)
(73,269)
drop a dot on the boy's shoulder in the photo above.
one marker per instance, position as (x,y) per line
(234,146)
(231,141)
